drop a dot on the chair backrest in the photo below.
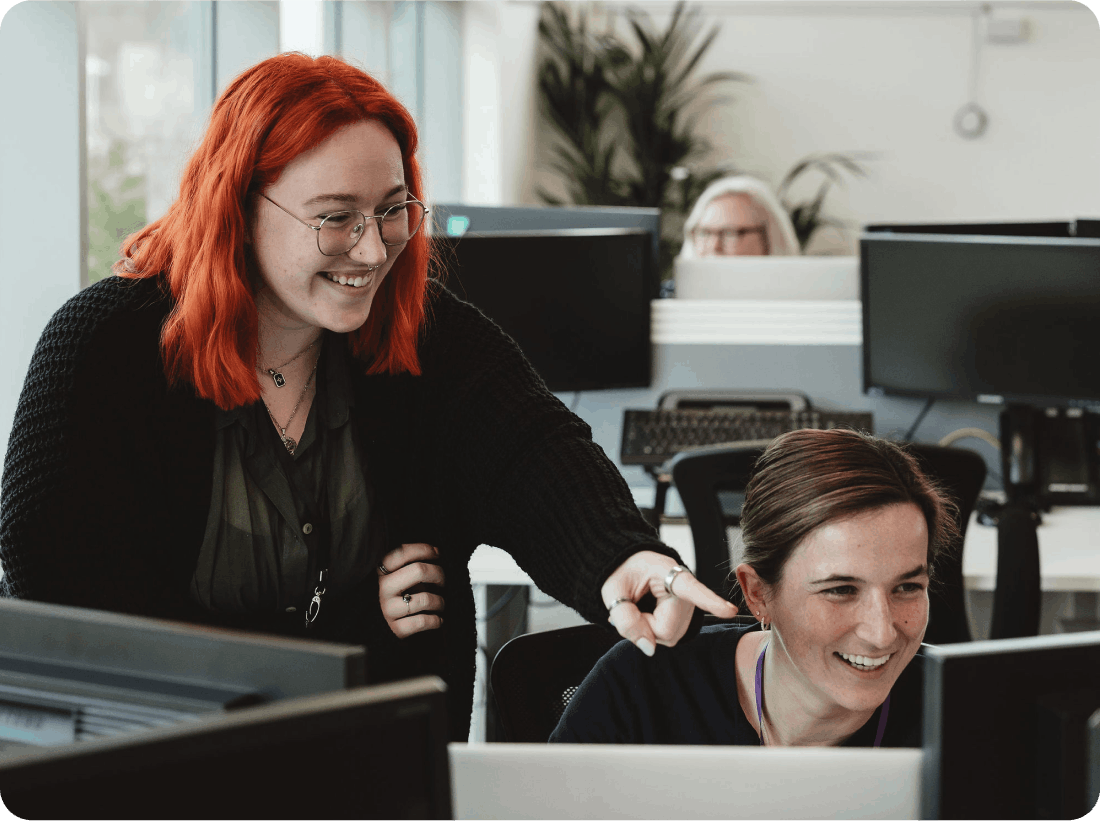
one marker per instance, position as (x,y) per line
(961,473)
(534,676)
(711,483)
(702,477)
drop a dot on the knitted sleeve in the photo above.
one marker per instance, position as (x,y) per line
(65,525)
(531,478)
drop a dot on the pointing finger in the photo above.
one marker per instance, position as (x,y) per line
(690,589)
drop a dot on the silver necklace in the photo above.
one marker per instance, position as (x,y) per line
(275,373)
(289,443)
(760,697)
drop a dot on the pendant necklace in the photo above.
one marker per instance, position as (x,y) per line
(276,373)
(289,443)
(884,712)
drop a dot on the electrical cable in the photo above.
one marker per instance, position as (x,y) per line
(521,619)
(502,602)
(513,630)
(970,433)
(920,418)
(975,433)
(972,120)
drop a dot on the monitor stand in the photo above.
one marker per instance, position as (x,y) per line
(1017,597)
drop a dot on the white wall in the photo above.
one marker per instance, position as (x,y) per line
(888,76)
(40,258)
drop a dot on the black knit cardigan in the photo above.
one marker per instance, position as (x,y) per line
(107,480)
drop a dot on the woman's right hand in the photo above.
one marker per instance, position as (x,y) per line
(407,571)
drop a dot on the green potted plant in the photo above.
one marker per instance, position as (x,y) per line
(624,112)
(806,214)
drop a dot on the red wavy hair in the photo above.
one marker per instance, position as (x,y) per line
(266,117)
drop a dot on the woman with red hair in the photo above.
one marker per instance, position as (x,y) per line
(272,419)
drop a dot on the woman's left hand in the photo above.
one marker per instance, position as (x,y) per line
(407,579)
(645,572)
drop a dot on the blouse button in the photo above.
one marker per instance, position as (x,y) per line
(307,528)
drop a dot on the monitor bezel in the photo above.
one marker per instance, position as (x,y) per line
(943,784)
(875,388)
(649,273)
(137,770)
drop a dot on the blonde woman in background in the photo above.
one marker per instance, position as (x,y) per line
(738,216)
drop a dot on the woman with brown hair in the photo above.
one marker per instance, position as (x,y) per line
(272,419)
(841,533)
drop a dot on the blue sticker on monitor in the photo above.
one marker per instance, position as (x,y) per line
(456,226)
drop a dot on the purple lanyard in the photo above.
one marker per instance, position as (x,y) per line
(760,700)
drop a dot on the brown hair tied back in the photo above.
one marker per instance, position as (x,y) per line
(809,477)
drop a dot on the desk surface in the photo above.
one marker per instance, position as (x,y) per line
(1069,553)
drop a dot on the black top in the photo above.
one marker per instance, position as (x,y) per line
(687,694)
(107,481)
(254,555)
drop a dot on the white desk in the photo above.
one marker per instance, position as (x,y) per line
(1069,554)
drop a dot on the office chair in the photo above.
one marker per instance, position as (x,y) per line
(711,483)
(534,676)
(961,473)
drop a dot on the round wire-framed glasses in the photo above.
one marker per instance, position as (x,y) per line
(725,236)
(340,231)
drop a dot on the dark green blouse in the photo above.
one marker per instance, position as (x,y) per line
(253,556)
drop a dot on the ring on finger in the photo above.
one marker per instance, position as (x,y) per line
(617,602)
(383,571)
(407,598)
(675,571)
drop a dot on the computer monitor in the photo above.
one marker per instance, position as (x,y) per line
(767,278)
(1006,727)
(370,752)
(576,301)
(1051,228)
(1004,319)
(456,219)
(682,781)
(69,674)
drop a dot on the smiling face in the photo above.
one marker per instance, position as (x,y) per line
(359,167)
(851,608)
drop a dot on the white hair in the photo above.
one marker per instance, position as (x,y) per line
(782,240)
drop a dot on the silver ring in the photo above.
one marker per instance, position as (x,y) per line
(383,571)
(671,577)
(617,602)
(407,598)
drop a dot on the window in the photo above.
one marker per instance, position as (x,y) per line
(144,107)
(152,71)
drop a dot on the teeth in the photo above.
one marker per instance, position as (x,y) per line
(351,282)
(865,661)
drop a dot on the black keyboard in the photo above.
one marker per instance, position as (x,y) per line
(651,437)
